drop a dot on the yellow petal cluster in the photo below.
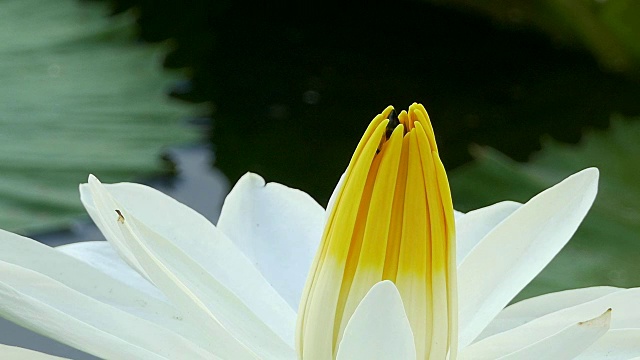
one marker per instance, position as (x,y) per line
(392,219)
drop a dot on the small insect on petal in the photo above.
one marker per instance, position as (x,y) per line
(120,217)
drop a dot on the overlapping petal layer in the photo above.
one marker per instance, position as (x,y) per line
(180,261)
(624,315)
(16,353)
(392,219)
(277,228)
(102,256)
(475,225)
(112,311)
(565,343)
(512,253)
(67,300)
(615,344)
(382,318)
(527,310)
(203,273)
(169,284)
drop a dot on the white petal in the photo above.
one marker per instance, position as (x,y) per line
(475,225)
(17,353)
(277,227)
(201,242)
(102,256)
(619,344)
(201,271)
(527,310)
(60,297)
(108,231)
(517,249)
(624,305)
(379,328)
(564,344)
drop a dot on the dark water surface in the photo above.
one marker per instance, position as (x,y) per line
(294,84)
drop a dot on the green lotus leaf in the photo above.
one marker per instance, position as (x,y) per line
(79,96)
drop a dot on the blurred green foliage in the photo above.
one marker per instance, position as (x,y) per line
(78,97)
(610,29)
(606,248)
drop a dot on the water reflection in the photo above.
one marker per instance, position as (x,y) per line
(196,184)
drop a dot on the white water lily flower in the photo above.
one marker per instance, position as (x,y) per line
(395,275)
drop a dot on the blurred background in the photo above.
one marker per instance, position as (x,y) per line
(189,95)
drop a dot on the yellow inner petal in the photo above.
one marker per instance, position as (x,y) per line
(392,220)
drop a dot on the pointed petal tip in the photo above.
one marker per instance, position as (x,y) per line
(385,113)
(591,172)
(568,202)
(253,179)
(85,186)
(588,178)
(584,181)
(92,179)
